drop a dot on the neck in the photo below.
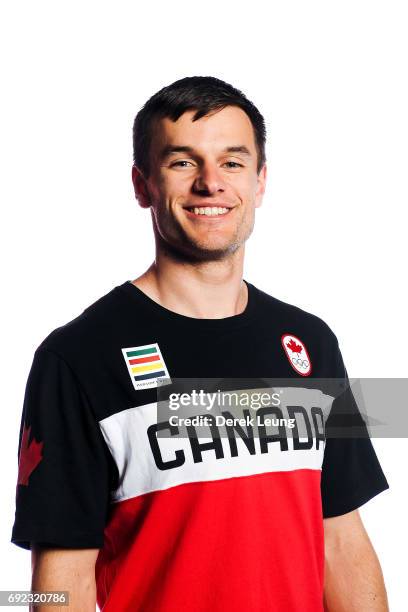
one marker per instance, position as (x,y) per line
(209,290)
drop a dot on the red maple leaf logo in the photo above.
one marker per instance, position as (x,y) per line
(30,456)
(295,348)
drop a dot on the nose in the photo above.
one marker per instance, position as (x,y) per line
(209,180)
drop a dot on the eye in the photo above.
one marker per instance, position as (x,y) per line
(181,163)
(232,164)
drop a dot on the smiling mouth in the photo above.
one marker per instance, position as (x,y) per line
(208,211)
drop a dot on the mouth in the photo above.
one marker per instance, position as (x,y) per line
(208,212)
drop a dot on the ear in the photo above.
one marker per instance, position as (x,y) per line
(140,187)
(261,186)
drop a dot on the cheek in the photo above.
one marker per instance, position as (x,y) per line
(175,186)
(243,184)
(244,192)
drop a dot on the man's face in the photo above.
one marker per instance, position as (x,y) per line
(205,166)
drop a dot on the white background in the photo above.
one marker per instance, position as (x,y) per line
(331,81)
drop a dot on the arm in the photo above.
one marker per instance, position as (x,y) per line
(65,570)
(353,578)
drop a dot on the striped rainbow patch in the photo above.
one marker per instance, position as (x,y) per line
(145,365)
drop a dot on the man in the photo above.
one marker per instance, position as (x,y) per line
(256,520)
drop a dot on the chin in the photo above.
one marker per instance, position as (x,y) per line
(213,252)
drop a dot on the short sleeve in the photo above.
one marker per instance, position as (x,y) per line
(351,472)
(64,474)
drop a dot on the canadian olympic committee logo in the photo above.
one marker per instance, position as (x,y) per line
(297,354)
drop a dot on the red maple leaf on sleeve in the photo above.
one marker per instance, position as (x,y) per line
(30,456)
(295,348)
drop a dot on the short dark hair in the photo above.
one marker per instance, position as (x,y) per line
(201,93)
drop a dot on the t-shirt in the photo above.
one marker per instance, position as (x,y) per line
(223,516)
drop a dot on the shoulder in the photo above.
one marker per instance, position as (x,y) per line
(307,329)
(284,314)
(84,331)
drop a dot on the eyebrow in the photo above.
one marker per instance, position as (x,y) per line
(171,149)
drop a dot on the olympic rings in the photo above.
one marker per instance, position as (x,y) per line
(301,363)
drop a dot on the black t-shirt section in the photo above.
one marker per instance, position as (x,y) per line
(247,345)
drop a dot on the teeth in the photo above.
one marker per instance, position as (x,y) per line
(210,211)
